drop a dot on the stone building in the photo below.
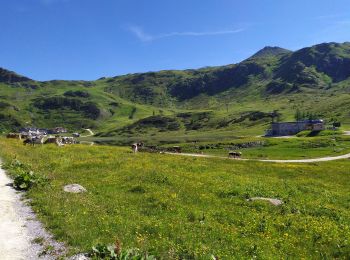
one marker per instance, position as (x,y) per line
(292,128)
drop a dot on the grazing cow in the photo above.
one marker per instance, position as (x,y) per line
(55,140)
(34,140)
(58,141)
(51,139)
(176,149)
(135,148)
(140,144)
(14,136)
(233,154)
(68,140)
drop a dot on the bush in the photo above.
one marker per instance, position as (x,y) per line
(25,180)
(78,93)
(23,177)
(114,252)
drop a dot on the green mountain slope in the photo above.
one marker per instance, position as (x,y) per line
(7,76)
(237,98)
(269,51)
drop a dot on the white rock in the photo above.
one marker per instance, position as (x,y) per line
(74,188)
(275,202)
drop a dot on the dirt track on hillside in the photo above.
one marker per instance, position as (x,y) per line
(90,133)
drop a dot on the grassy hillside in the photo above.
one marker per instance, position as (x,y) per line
(238,98)
(190,208)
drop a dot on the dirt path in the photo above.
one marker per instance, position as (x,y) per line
(18,227)
(90,133)
(14,241)
(323,159)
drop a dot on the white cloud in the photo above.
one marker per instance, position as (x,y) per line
(139,33)
(146,37)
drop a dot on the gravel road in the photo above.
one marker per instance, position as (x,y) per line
(323,159)
(19,227)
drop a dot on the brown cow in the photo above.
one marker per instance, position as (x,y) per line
(14,136)
(51,140)
(176,149)
(234,154)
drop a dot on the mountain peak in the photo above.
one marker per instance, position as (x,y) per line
(269,51)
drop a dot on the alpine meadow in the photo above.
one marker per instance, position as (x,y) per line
(156,130)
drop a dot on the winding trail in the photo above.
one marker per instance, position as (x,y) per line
(18,227)
(90,133)
(323,159)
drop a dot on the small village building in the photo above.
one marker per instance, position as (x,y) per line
(33,131)
(58,130)
(292,128)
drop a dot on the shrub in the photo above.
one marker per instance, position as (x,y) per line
(25,180)
(115,252)
(23,177)
(78,93)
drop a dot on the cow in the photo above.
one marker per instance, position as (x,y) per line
(234,154)
(51,139)
(54,140)
(135,148)
(34,140)
(68,140)
(58,141)
(14,136)
(176,149)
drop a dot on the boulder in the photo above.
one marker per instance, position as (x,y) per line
(275,202)
(74,188)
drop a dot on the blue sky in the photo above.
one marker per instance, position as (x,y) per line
(88,39)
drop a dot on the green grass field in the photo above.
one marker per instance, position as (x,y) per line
(190,208)
(274,148)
